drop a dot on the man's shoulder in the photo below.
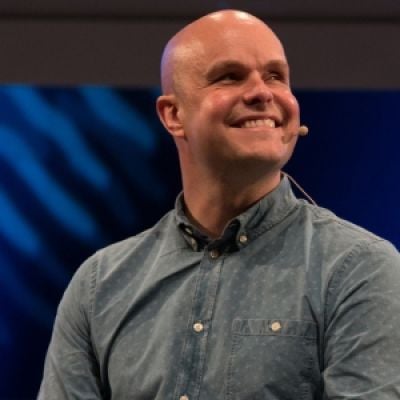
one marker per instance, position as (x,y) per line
(134,249)
(147,238)
(338,235)
(324,221)
(123,265)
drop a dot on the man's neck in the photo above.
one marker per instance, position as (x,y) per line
(211,205)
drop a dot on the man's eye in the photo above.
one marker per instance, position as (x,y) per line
(275,76)
(228,77)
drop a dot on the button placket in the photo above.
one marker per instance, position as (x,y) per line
(195,349)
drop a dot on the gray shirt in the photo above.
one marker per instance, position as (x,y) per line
(291,303)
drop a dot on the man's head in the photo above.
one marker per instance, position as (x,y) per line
(226,95)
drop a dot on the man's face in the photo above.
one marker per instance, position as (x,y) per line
(234,98)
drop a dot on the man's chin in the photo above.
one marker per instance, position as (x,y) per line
(255,165)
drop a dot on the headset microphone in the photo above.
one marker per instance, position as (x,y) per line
(303,130)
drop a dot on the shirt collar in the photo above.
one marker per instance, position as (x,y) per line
(261,216)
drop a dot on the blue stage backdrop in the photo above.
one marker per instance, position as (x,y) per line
(83,167)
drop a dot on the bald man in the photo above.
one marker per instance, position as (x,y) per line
(243,291)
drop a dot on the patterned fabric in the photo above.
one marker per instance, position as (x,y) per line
(291,303)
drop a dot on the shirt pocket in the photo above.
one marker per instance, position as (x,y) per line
(272,359)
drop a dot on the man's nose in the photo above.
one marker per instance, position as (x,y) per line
(257,91)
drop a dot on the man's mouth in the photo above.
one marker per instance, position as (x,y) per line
(254,123)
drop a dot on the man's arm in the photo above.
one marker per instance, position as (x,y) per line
(362,336)
(71,369)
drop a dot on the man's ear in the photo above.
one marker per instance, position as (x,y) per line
(168,112)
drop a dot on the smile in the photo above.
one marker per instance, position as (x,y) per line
(254,123)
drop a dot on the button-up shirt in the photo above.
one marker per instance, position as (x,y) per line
(290,303)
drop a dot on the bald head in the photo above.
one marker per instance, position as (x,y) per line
(227,100)
(186,48)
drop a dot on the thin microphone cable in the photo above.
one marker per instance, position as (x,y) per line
(306,195)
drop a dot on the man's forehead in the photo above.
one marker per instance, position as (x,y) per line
(225,54)
(230,43)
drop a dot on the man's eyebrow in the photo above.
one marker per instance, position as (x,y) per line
(277,64)
(282,68)
(224,65)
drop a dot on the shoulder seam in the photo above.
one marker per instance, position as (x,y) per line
(92,284)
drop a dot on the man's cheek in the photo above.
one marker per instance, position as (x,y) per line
(293,104)
(218,103)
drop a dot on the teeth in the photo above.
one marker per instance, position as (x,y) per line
(259,122)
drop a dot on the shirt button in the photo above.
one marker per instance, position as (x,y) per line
(214,253)
(276,326)
(184,397)
(243,238)
(193,243)
(198,327)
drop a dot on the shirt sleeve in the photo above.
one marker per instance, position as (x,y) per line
(362,335)
(71,370)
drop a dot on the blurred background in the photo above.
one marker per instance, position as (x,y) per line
(84,161)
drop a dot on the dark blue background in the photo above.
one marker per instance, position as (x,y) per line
(83,167)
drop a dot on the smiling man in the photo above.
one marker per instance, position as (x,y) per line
(242,291)
(228,104)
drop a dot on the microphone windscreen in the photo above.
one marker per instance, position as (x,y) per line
(303,130)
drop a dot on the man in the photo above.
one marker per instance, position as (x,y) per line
(243,291)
